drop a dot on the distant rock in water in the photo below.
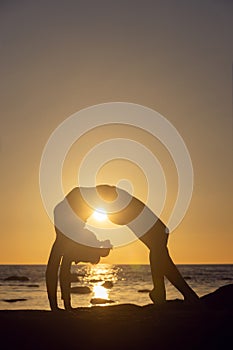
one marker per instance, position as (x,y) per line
(23,285)
(33,285)
(187,277)
(107,284)
(144,291)
(74,277)
(96,301)
(220,298)
(80,290)
(17,278)
(13,300)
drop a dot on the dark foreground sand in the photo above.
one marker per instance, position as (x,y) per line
(171,326)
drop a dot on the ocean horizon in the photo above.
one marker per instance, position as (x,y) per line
(22,286)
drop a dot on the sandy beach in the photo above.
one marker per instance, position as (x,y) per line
(175,324)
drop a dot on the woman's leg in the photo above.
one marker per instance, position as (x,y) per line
(175,277)
(162,265)
(156,240)
(158,294)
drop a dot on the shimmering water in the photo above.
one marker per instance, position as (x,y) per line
(126,280)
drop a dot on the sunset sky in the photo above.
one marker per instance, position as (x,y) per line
(58,57)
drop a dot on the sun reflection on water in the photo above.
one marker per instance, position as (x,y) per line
(102,278)
(102,272)
(100,292)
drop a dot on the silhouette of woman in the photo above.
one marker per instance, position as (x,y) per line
(135,214)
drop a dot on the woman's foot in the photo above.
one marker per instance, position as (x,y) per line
(192,298)
(158,297)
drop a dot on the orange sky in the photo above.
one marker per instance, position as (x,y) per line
(60,57)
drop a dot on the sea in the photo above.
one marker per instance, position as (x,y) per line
(23,286)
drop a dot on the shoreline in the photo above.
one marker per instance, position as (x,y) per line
(207,325)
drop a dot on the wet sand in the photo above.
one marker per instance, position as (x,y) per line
(176,325)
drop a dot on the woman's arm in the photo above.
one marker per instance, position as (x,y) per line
(65,281)
(52,273)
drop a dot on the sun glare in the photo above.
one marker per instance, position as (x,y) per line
(100,292)
(100,215)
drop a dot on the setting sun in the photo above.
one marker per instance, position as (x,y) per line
(100,215)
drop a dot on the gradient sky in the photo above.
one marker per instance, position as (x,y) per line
(58,57)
